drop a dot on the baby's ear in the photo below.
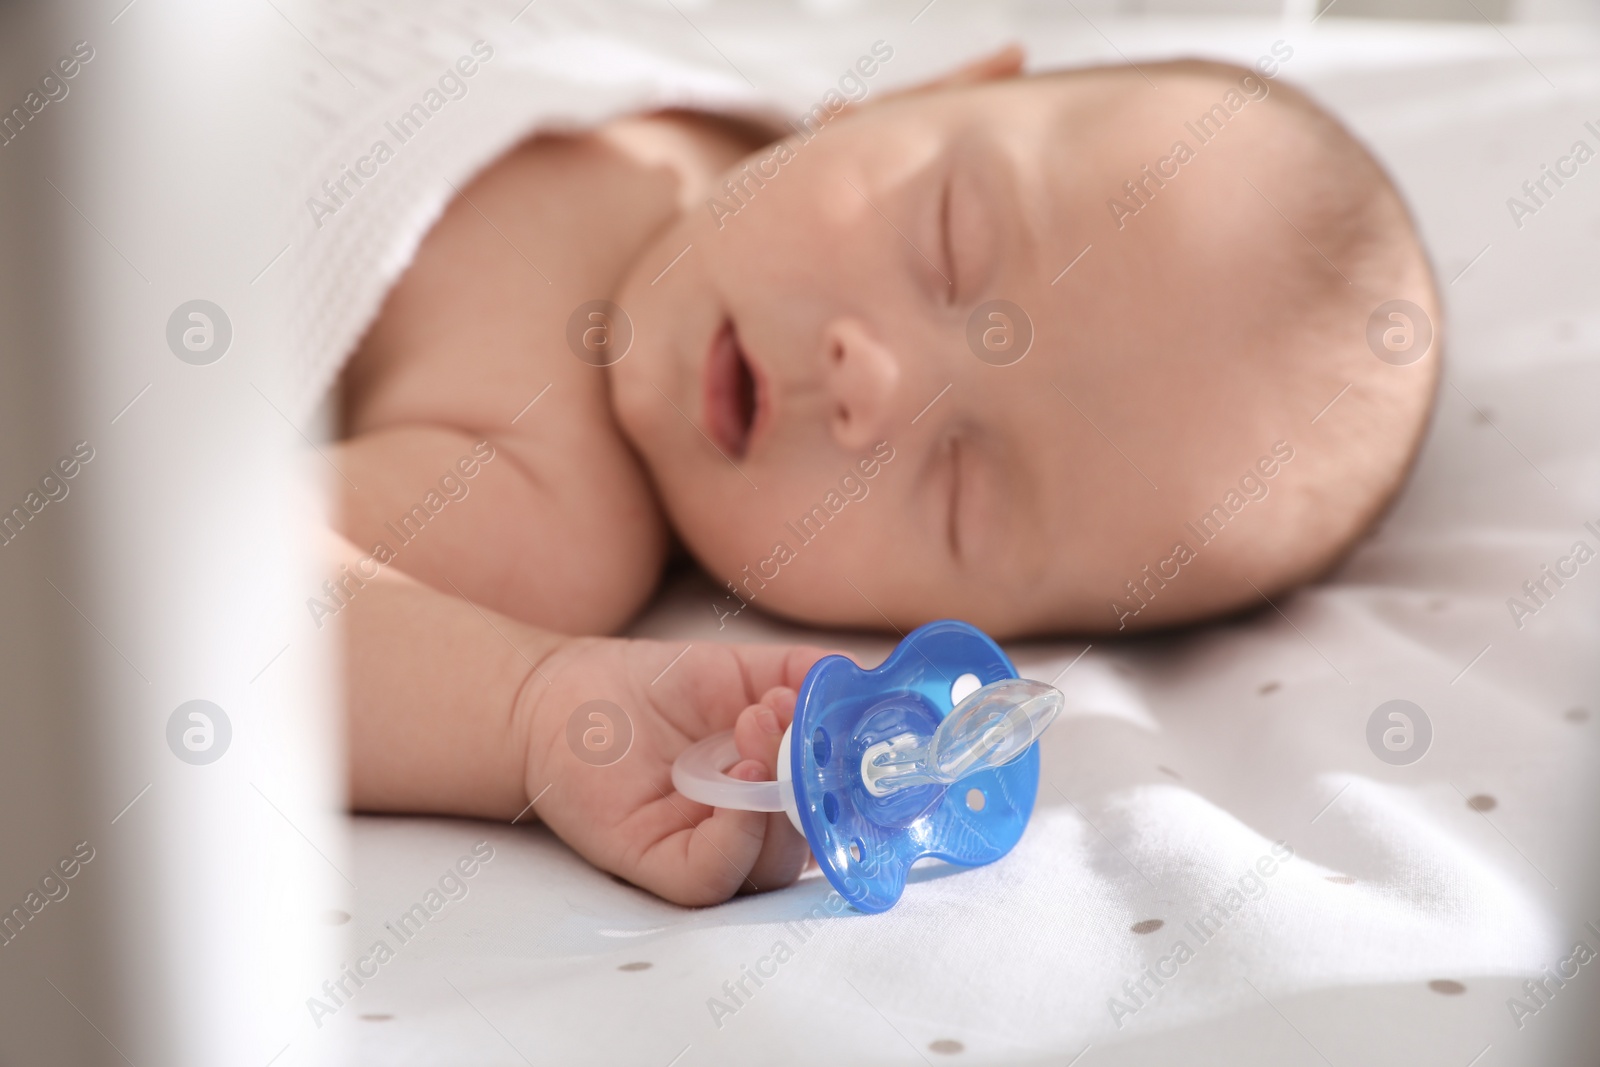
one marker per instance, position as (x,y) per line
(1003,63)
(996,66)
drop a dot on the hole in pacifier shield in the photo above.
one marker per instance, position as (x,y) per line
(963,687)
(999,333)
(1399,732)
(599,333)
(199,332)
(1399,332)
(599,732)
(198,732)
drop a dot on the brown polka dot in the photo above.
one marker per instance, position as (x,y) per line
(1147,926)
(1448,986)
(335,917)
(377,1017)
(1438,603)
(1169,772)
(1482,802)
(948,1045)
(1269,687)
(1482,416)
(1577,715)
(636,965)
(1340,879)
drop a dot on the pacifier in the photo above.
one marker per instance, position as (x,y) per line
(931,753)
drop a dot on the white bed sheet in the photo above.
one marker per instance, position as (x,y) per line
(1185,757)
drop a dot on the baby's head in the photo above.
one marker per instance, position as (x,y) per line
(999,348)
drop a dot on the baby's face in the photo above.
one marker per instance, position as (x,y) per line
(842,423)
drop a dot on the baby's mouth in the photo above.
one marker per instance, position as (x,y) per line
(732,393)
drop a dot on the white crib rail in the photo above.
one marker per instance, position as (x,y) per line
(204,840)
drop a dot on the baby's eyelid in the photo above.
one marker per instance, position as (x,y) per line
(953,521)
(973,232)
(946,243)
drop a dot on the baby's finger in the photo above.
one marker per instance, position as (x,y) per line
(703,863)
(783,856)
(770,666)
(758,734)
(758,731)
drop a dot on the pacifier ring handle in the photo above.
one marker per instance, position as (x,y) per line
(701,774)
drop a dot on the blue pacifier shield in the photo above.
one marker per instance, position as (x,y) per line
(866,844)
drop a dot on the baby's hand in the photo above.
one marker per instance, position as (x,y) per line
(623,814)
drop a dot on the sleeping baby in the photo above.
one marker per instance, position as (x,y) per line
(1097,351)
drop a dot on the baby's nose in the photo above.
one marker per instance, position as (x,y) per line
(861,375)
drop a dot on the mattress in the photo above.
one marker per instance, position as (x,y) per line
(1227,862)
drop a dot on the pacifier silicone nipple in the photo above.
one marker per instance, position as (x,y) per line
(865,770)
(990,728)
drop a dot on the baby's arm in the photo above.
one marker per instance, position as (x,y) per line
(436,701)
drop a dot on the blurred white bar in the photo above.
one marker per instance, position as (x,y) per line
(173,564)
